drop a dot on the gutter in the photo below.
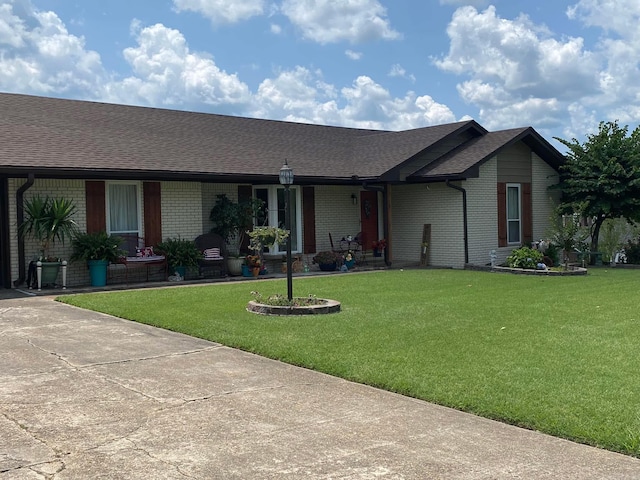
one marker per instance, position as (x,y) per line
(464,219)
(20,219)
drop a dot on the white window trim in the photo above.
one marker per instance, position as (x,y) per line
(518,186)
(296,196)
(108,203)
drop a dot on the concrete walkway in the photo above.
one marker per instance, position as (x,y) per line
(89,396)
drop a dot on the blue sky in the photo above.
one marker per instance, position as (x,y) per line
(561,66)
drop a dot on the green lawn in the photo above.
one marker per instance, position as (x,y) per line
(555,354)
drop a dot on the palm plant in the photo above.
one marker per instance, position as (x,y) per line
(48,220)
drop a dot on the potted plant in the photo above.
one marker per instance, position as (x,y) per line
(254,264)
(327,260)
(98,250)
(266,237)
(230,221)
(180,253)
(48,220)
(378,247)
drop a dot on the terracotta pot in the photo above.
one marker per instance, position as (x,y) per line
(255,271)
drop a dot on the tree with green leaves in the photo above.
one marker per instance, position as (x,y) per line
(601,177)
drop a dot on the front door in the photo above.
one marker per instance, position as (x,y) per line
(368,218)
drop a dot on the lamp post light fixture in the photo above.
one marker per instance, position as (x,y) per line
(286,179)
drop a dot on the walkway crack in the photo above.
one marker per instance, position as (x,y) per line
(153,457)
(57,355)
(150,357)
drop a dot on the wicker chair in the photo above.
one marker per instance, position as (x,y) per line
(216,264)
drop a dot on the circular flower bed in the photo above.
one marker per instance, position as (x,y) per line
(300,306)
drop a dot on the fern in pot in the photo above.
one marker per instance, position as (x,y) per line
(98,250)
(181,254)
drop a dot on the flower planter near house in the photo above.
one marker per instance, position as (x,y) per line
(98,272)
(328,267)
(50,272)
(327,261)
(234,265)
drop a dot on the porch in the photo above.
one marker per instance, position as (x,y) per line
(157,280)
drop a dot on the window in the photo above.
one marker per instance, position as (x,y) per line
(123,209)
(273,198)
(514,213)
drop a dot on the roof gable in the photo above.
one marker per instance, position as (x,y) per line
(464,161)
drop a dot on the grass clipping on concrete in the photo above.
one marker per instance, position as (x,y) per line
(554,354)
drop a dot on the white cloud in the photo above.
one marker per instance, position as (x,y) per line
(301,95)
(275,29)
(353,55)
(398,70)
(620,16)
(620,80)
(222,11)
(167,73)
(518,73)
(39,56)
(328,21)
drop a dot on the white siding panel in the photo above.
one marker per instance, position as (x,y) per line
(543,199)
(439,205)
(482,213)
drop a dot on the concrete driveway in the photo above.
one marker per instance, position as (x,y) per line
(89,396)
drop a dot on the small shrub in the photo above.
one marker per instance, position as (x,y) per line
(548,261)
(524,257)
(553,252)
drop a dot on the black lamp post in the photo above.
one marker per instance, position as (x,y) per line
(286,179)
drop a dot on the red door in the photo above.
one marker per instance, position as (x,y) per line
(368,218)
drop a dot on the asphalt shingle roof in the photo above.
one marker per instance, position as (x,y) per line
(70,137)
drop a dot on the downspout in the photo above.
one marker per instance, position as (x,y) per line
(20,218)
(464,219)
(385,216)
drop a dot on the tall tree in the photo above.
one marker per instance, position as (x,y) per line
(601,177)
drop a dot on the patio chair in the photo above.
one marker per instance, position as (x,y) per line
(214,253)
(361,249)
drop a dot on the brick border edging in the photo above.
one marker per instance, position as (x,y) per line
(328,306)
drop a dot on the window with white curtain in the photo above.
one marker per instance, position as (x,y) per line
(273,197)
(123,208)
(514,213)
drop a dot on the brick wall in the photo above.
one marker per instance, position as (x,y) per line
(182,210)
(209,193)
(77,273)
(336,214)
